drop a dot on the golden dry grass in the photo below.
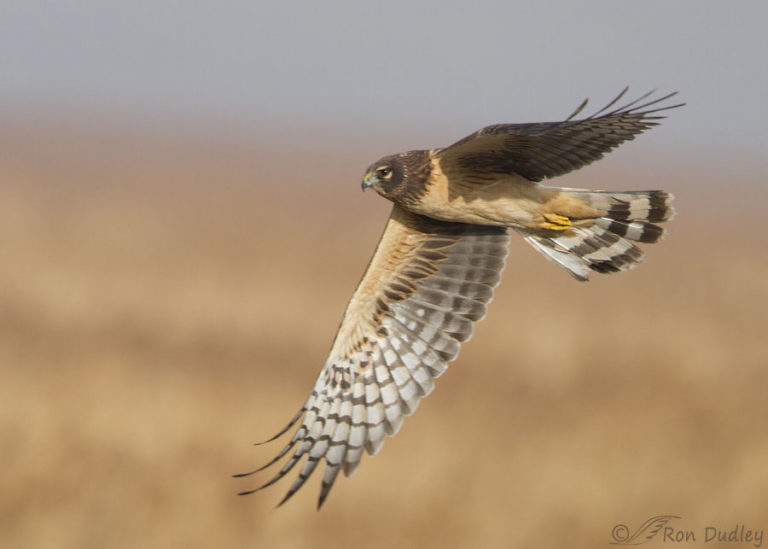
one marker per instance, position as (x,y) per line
(157,318)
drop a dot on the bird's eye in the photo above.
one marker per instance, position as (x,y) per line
(384,173)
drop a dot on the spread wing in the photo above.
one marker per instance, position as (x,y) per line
(547,149)
(425,286)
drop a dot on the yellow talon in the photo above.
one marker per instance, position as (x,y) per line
(555,222)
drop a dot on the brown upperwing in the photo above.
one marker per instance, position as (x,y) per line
(547,149)
(425,286)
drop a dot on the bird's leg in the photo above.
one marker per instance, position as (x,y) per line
(555,222)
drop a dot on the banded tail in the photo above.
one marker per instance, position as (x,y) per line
(602,243)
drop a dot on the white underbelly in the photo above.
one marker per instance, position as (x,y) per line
(501,212)
(507,205)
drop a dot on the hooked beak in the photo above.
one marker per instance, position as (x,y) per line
(368,181)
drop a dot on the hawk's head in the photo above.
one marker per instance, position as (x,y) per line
(384,175)
(399,176)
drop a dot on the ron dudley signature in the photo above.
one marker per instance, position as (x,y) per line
(661,529)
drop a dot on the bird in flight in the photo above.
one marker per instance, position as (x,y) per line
(441,255)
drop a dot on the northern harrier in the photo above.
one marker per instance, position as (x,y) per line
(442,253)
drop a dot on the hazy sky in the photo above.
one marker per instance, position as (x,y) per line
(374,68)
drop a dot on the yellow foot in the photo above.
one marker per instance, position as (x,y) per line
(555,222)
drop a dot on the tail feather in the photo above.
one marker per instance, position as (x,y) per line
(602,244)
(639,231)
(653,206)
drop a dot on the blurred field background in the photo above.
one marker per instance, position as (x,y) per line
(159,312)
(181,227)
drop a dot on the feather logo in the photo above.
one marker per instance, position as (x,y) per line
(645,533)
